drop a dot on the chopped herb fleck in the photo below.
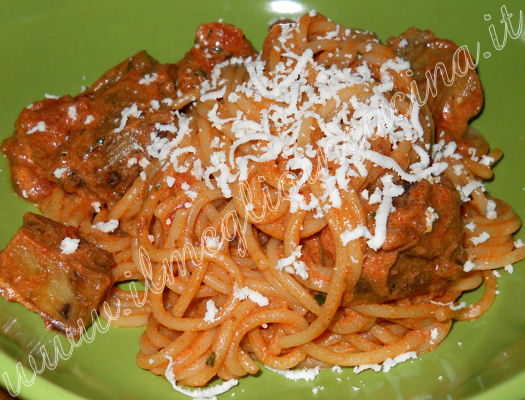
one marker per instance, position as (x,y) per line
(201,72)
(459,262)
(211,359)
(373,214)
(320,298)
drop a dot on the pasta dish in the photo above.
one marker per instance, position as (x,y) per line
(317,204)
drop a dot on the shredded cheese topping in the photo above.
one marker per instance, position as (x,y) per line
(69,245)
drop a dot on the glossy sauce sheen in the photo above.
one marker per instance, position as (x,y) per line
(96,154)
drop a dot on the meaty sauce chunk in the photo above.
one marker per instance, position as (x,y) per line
(214,43)
(63,288)
(419,256)
(99,137)
(454,100)
(83,135)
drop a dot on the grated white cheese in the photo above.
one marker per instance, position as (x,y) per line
(458,169)
(509,268)
(467,190)
(434,333)
(69,245)
(390,363)
(212,95)
(72,112)
(203,394)
(375,197)
(360,368)
(144,162)
(486,160)
(317,388)
(307,374)
(131,161)
(127,112)
(247,293)
(295,94)
(233,97)
(148,79)
(172,128)
(491,209)
(190,193)
(96,206)
(108,226)
(89,119)
(468,266)
(197,170)
(518,243)
(356,233)
(212,242)
(430,217)
(155,105)
(39,127)
(59,172)
(170,181)
(482,238)
(211,311)
(293,265)
(470,226)
(168,101)
(337,369)
(284,88)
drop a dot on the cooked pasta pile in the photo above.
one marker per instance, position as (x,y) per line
(301,208)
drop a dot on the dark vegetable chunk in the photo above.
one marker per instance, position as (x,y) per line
(214,43)
(92,137)
(63,288)
(445,77)
(421,251)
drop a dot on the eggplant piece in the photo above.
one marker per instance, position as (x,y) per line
(63,288)
(82,134)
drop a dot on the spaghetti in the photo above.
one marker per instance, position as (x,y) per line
(303,209)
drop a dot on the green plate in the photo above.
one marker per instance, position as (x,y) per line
(57,46)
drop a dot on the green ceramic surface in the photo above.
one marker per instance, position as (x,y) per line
(57,46)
